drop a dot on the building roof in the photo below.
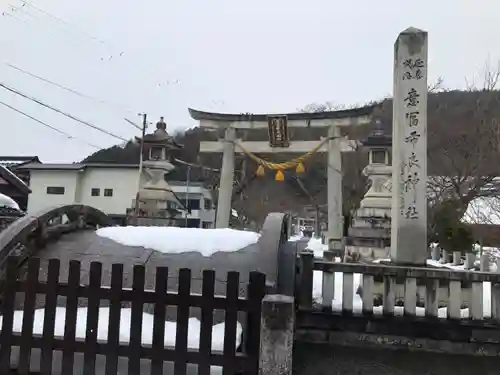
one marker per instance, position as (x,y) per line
(74,166)
(13,180)
(16,161)
(346,113)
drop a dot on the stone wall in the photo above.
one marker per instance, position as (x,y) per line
(324,359)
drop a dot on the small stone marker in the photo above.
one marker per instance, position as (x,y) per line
(409,127)
(470,258)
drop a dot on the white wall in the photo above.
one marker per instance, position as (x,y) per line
(40,180)
(123,181)
(79,184)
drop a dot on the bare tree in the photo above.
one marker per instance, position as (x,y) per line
(463,147)
(483,210)
(322,107)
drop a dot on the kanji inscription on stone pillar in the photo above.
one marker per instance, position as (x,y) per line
(409,127)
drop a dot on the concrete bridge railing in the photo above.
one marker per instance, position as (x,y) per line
(401,291)
(23,237)
(365,305)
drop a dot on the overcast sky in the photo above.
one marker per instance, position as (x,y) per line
(163,56)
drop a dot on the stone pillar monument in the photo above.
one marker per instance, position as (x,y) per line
(156,204)
(409,127)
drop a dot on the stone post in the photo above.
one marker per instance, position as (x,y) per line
(457,258)
(226,180)
(446,257)
(470,258)
(436,253)
(409,127)
(484,263)
(276,335)
(334,174)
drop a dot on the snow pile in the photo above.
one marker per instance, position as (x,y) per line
(451,266)
(181,240)
(125,319)
(296,237)
(316,245)
(6,201)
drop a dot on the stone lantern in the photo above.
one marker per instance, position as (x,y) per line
(156,204)
(369,236)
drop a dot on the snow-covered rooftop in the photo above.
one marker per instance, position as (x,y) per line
(6,201)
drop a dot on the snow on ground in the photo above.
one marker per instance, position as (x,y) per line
(125,318)
(451,266)
(124,332)
(181,240)
(6,201)
(296,237)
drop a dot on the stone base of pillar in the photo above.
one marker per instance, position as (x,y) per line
(336,246)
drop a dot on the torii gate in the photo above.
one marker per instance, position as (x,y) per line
(279,142)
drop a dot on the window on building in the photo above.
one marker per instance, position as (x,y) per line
(206,224)
(108,192)
(171,205)
(192,223)
(208,204)
(95,192)
(193,204)
(55,190)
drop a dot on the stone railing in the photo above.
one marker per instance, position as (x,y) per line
(369,289)
(470,261)
(23,237)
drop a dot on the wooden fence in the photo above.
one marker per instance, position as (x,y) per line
(135,349)
(369,289)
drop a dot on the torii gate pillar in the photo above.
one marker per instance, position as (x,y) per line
(226,180)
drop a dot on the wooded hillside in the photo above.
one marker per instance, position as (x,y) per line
(463,141)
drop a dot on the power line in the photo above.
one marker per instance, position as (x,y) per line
(21,9)
(69,136)
(148,68)
(30,24)
(73,91)
(62,113)
(60,20)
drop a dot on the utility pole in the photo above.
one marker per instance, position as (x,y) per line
(141,160)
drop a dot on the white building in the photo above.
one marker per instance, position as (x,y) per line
(110,188)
